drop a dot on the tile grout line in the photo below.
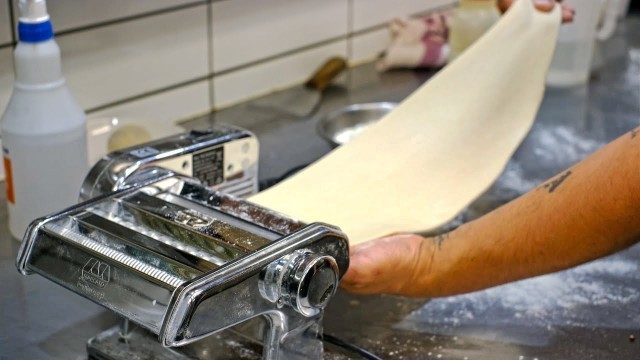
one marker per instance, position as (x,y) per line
(130,18)
(311,46)
(146,94)
(279,55)
(350,34)
(210,57)
(209,77)
(385,24)
(107,23)
(12,22)
(350,21)
(350,15)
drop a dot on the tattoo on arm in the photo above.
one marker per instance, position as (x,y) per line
(635,133)
(553,184)
(439,239)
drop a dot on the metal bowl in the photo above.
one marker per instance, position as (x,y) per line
(343,125)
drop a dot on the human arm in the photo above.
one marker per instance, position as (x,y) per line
(586,212)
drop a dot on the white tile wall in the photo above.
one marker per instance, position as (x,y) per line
(272,43)
(115,62)
(368,13)
(265,77)
(367,46)
(6,76)
(68,14)
(249,30)
(5,23)
(165,107)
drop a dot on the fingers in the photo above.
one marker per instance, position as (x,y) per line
(362,274)
(504,5)
(383,265)
(367,264)
(568,14)
(543,5)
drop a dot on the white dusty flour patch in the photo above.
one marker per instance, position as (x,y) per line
(563,144)
(586,296)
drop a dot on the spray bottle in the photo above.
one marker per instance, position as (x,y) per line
(43,127)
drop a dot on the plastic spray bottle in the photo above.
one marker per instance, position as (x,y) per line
(43,127)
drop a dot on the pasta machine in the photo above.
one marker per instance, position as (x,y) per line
(164,239)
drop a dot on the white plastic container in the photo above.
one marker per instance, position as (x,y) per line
(43,128)
(572,61)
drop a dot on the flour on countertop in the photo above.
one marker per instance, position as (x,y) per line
(512,180)
(579,297)
(562,143)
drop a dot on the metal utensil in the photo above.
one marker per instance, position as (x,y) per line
(343,125)
(303,100)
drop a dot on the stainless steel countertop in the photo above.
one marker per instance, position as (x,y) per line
(584,313)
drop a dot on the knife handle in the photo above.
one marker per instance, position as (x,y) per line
(322,77)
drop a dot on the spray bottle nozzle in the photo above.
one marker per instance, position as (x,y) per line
(33,11)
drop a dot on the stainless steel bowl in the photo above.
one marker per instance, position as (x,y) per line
(343,125)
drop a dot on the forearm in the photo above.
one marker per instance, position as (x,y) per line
(588,211)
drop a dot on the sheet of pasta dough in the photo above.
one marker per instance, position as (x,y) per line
(441,148)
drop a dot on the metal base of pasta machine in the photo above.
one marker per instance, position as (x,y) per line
(139,343)
(183,261)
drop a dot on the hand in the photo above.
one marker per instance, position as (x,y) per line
(543,5)
(392,265)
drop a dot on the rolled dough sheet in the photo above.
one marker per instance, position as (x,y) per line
(423,163)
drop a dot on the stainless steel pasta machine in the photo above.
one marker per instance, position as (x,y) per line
(165,239)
